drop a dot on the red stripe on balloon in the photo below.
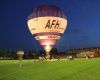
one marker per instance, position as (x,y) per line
(47,33)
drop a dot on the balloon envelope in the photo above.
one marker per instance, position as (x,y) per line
(47,23)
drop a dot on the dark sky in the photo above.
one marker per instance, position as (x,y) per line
(83,23)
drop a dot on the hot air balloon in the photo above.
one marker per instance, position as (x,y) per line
(47,23)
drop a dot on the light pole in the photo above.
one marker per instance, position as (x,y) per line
(20,57)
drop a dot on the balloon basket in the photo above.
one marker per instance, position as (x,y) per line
(47,56)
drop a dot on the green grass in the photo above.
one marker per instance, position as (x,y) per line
(78,69)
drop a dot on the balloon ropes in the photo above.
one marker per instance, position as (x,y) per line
(47,23)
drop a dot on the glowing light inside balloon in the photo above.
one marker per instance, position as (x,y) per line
(47,42)
(47,48)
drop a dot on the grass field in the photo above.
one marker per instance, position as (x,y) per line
(78,69)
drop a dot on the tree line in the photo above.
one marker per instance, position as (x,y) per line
(11,54)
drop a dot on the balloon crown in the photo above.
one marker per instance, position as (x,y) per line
(47,10)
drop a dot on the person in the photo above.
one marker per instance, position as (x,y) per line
(58,57)
(92,56)
(70,57)
(50,56)
(40,58)
(87,57)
